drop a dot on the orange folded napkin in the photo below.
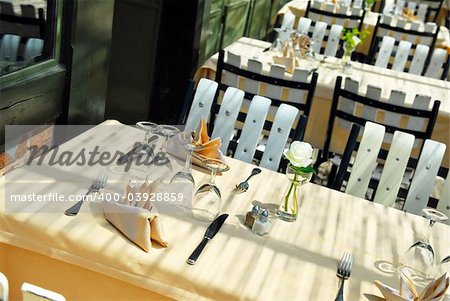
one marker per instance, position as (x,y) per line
(205,147)
(136,217)
(434,291)
(409,14)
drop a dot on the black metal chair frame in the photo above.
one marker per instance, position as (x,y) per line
(335,112)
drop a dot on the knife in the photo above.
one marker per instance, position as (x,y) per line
(209,234)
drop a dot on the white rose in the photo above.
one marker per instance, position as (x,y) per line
(299,154)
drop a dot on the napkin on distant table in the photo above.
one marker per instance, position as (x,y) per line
(434,291)
(289,58)
(137,220)
(206,148)
(408,14)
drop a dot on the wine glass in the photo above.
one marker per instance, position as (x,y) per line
(419,259)
(167,131)
(185,174)
(443,267)
(207,199)
(148,127)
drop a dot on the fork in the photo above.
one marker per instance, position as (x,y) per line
(343,272)
(243,186)
(95,187)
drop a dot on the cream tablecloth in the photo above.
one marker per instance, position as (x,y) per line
(298,8)
(297,261)
(366,74)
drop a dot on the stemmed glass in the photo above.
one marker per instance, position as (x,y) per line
(148,127)
(167,131)
(185,174)
(419,259)
(207,199)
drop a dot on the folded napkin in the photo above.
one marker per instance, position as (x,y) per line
(434,291)
(409,14)
(290,59)
(136,217)
(205,147)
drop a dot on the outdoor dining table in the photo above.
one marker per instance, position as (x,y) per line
(298,8)
(85,256)
(365,74)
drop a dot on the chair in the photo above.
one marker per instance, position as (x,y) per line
(386,28)
(32,292)
(432,10)
(349,107)
(401,60)
(245,145)
(9,47)
(391,185)
(439,64)
(296,90)
(328,45)
(201,104)
(33,48)
(28,11)
(4,287)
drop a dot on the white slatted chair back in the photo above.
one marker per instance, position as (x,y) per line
(422,12)
(4,287)
(201,105)
(276,71)
(226,118)
(401,57)
(387,45)
(392,118)
(358,3)
(418,61)
(288,20)
(424,177)
(251,131)
(333,40)
(33,48)
(444,199)
(365,160)
(9,47)
(421,102)
(318,35)
(394,168)
(347,3)
(32,292)
(296,95)
(303,25)
(279,134)
(436,65)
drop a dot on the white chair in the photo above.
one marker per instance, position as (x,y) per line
(436,67)
(334,38)
(444,198)
(418,61)
(422,12)
(387,45)
(33,48)
(288,20)
(32,292)
(9,47)
(394,167)
(201,105)
(4,287)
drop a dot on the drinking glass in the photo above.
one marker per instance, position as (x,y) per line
(149,128)
(167,131)
(185,174)
(207,199)
(419,259)
(443,267)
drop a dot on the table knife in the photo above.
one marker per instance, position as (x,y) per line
(209,234)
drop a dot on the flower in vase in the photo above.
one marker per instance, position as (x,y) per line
(300,156)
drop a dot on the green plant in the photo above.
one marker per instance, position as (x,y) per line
(352,37)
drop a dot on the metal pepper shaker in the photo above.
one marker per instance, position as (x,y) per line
(251,216)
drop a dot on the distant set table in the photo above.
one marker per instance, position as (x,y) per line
(366,75)
(298,8)
(297,261)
